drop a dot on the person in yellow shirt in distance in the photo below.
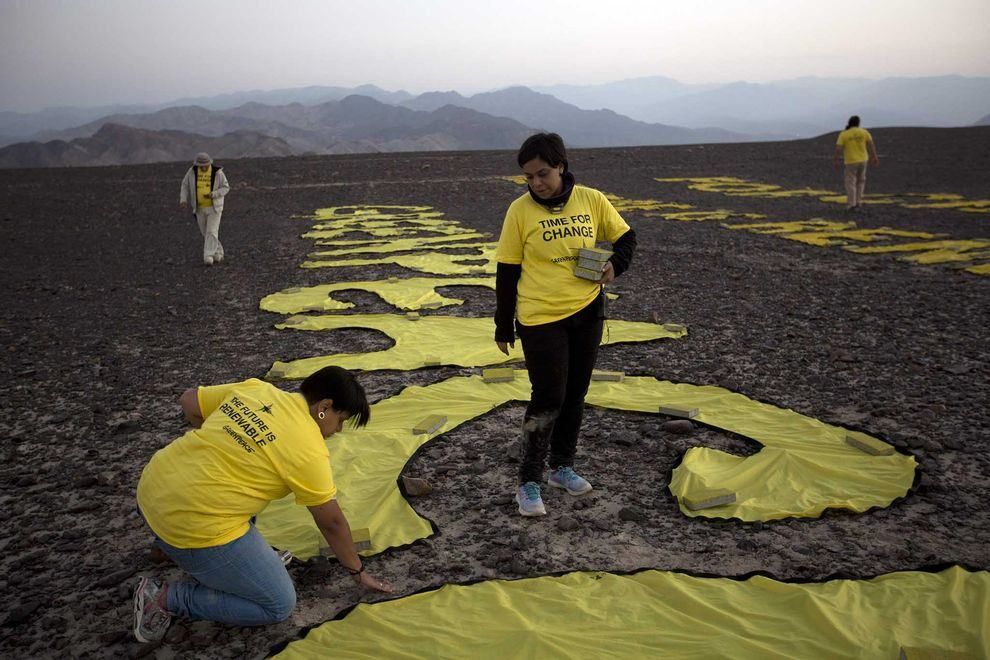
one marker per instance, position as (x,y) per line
(251,443)
(854,147)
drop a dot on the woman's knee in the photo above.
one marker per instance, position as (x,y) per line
(281,606)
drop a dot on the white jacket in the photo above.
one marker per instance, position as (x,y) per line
(187,193)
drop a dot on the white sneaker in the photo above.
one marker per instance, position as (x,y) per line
(217,258)
(208,261)
(529,500)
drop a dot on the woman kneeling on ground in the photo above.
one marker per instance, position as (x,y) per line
(558,316)
(251,443)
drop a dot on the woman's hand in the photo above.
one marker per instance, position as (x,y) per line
(504,345)
(367,581)
(608,273)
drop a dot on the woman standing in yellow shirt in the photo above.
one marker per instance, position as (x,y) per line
(852,146)
(251,443)
(558,316)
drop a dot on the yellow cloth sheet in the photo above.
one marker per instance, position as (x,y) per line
(736,187)
(401,245)
(406,294)
(804,467)
(438,263)
(827,233)
(662,614)
(327,232)
(451,340)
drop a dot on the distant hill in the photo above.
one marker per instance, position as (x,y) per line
(799,107)
(627,97)
(985,121)
(17,126)
(580,128)
(114,144)
(355,124)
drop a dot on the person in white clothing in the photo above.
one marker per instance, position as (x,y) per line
(203,189)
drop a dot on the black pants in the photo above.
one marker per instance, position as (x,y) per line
(560,357)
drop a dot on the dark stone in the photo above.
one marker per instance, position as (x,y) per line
(85,482)
(22,613)
(623,438)
(84,506)
(177,633)
(126,427)
(678,426)
(631,514)
(115,578)
(567,524)
(746,545)
(415,487)
(32,556)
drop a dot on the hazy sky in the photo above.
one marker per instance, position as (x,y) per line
(100,52)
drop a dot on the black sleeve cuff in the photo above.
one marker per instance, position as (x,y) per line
(623,250)
(506,281)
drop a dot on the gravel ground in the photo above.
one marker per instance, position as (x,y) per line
(108,315)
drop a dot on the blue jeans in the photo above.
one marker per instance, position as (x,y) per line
(241,583)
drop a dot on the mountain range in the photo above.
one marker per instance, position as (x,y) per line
(114,144)
(327,120)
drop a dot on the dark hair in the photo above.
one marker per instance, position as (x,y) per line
(853,121)
(547,146)
(342,387)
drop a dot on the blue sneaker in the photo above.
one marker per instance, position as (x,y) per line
(529,500)
(566,478)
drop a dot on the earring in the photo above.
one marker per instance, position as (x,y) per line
(322,415)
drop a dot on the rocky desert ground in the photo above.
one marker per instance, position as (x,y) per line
(108,315)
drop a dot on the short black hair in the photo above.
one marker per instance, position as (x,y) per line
(342,387)
(547,146)
(853,121)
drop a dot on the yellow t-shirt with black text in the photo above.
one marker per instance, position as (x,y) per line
(853,142)
(257,444)
(203,188)
(546,242)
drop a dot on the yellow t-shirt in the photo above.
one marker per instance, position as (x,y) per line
(203,187)
(853,142)
(546,244)
(257,444)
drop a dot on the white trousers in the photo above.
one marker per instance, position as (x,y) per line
(208,220)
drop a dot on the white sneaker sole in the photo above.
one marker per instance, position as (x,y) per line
(530,514)
(569,491)
(138,608)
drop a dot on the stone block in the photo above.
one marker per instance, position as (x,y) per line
(588,273)
(498,375)
(590,264)
(678,411)
(412,316)
(432,361)
(430,425)
(362,538)
(871,446)
(674,327)
(708,499)
(594,254)
(613,376)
